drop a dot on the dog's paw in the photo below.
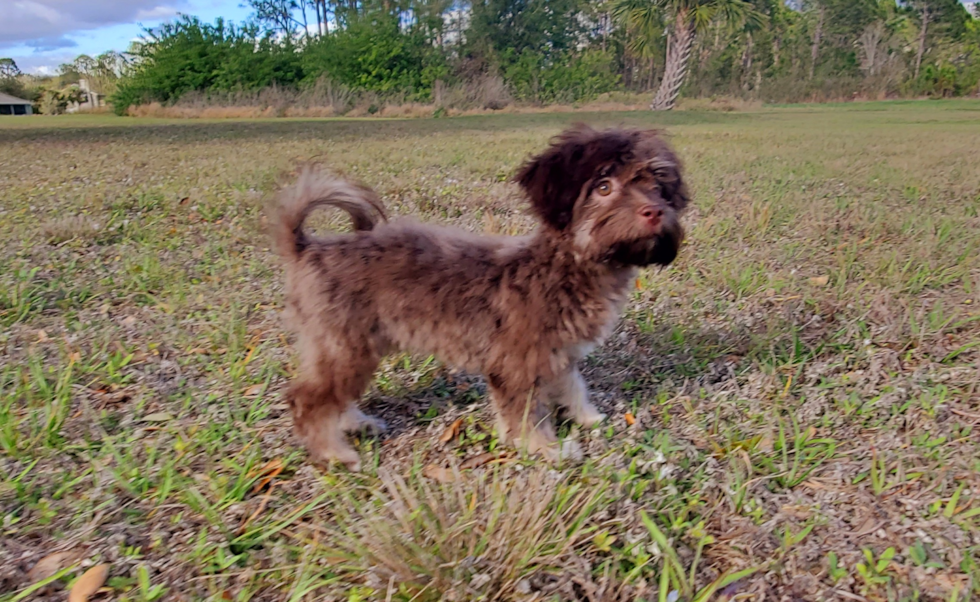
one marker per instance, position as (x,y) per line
(350,460)
(375,426)
(589,418)
(348,457)
(570,450)
(356,420)
(566,450)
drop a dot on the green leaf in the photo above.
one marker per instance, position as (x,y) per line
(953,501)
(886,558)
(42,584)
(917,553)
(724,581)
(671,561)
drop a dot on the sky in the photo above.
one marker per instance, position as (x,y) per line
(42,34)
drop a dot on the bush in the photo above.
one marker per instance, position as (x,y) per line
(188,55)
(13,87)
(55,102)
(945,80)
(376,55)
(574,78)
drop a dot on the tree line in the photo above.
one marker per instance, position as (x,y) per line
(562,51)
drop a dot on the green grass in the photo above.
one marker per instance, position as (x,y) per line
(803,382)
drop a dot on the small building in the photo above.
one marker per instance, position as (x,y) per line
(90,99)
(11,105)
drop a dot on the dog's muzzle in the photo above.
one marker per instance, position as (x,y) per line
(660,250)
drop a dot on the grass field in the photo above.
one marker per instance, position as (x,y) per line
(794,404)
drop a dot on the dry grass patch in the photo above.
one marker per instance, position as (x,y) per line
(486,536)
(59,230)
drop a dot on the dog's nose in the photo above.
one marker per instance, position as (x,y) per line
(652,213)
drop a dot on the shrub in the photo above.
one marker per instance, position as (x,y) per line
(945,80)
(188,55)
(375,54)
(569,78)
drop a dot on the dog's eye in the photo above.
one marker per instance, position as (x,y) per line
(604,188)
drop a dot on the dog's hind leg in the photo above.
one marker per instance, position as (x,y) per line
(323,401)
(569,391)
(528,423)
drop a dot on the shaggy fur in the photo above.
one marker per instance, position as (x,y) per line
(521,310)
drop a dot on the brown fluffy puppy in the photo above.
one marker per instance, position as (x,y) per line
(521,310)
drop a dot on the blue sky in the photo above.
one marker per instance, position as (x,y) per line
(42,34)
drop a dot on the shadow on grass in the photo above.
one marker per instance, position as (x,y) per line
(633,365)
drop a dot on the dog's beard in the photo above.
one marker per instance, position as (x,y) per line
(660,250)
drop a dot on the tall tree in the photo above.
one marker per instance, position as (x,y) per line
(101,72)
(837,24)
(8,77)
(686,19)
(285,17)
(643,22)
(821,15)
(948,16)
(501,28)
(8,69)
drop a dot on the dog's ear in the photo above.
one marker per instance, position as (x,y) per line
(667,169)
(549,181)
(554,179)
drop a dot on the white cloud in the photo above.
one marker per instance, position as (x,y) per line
(156,13)
(45,24)
(44,64)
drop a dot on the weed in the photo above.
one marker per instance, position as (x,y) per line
(874,573)
(834,570)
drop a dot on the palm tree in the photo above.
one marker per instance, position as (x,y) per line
(643,22)
(687,18)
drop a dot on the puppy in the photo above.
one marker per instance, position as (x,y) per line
(523,311)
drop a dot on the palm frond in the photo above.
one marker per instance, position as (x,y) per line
(742,14)
(644,24)
(642,15)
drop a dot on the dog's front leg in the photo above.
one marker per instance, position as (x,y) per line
(570,391)
(524,420)
(318,417)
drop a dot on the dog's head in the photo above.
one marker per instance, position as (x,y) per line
(617,194)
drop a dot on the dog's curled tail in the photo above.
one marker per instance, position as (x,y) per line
(315,188)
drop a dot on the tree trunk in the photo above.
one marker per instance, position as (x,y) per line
(319,18)
(305,23)
(817,35)
(605,29)
(678,53)
(747,62)
(706,52)
(922,40)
